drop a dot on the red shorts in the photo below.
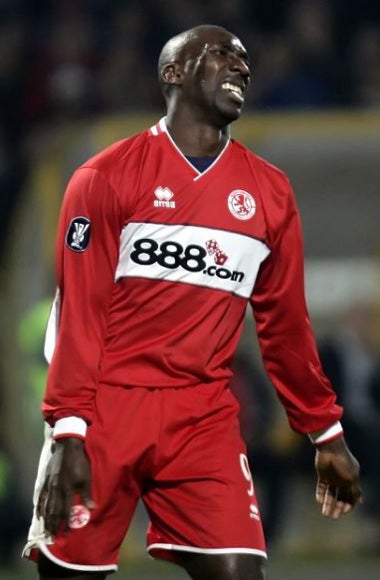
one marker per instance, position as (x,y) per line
(181,452)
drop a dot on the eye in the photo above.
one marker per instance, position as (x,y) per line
(219,51)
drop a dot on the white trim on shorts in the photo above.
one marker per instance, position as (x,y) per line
(45,550)
(179,548)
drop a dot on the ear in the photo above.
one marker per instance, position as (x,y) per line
(172,74)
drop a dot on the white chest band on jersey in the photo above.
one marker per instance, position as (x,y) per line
(191,255)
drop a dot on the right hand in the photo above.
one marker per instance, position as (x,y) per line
(68,474)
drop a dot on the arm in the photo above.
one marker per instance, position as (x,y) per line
(286,339)
(291,360)
(85,274)
(85,279)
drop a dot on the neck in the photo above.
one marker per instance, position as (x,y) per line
(196,138)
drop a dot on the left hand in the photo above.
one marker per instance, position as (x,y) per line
(338,489)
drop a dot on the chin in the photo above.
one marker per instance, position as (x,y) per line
(230,114)
(229,111)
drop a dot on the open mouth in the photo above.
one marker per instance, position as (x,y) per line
(234,90)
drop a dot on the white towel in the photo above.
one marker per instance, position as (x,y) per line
(37,535)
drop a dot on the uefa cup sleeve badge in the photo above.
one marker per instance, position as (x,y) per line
(241,204)
(78,234)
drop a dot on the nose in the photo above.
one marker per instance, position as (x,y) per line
(239,64)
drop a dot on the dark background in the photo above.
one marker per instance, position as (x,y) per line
(76,75)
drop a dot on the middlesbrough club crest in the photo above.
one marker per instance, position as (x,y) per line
(79,517)
(241,204)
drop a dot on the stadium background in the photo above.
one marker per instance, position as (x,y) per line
(76,76)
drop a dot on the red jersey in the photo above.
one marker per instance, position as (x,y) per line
(156,263)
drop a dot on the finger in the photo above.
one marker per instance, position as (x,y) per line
(320,491)
(338,510)
(347,508)
(41,504)
(54,510)
(67,506)
(87,497)
(357,494)
(329,501)
(351,497)
(53,521)
(344,502)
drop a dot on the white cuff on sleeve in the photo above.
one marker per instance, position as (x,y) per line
(67,426)
(332,432)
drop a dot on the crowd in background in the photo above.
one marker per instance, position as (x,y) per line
(64,59)
(61,60)
(79,57)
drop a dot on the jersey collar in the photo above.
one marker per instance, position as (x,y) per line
(161,127)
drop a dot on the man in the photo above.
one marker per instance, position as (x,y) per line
(163,240)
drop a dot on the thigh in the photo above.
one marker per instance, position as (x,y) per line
(117,448)
(118,443)
(202,499)
(223,566)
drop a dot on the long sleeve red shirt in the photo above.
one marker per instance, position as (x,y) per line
(156,264)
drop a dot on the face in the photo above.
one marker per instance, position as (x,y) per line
(216,74)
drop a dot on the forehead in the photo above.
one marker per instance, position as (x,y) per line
(220,37)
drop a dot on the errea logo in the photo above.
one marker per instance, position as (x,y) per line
(164,198)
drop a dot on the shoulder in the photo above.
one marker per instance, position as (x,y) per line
(115,167)
(116,155)
(274,189)
(263,169)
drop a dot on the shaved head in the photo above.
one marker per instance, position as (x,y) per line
(176,48)
(203,73)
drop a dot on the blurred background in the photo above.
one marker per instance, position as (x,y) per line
(76,75)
